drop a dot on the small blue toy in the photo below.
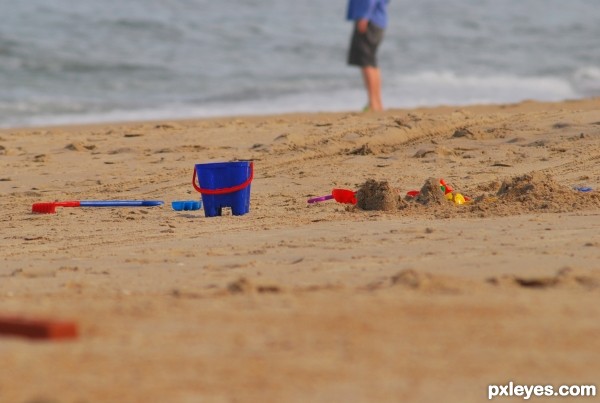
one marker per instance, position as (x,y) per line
(186,205)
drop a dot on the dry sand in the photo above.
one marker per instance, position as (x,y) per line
(426,301)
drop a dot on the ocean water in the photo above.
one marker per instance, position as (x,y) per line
(66,61)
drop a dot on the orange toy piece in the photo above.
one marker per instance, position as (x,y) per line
(445,187)
(37,328)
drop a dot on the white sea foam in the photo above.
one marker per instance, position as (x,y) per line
(422,89)
(587,81)
(435,88)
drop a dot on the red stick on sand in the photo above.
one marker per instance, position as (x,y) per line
(37,328)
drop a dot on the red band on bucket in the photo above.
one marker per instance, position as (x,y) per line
(224,190)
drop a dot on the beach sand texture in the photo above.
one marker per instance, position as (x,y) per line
(426,301)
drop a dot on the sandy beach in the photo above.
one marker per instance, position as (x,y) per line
(425,301)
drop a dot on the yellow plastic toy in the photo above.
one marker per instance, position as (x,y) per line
(459,199)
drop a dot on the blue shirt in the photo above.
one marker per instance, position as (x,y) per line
(373,10)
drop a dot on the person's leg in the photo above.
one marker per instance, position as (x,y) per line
(372,79)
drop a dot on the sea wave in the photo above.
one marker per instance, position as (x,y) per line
(587,80)
(447,87)
(423,89)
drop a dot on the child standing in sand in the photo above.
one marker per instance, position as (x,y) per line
(370,21)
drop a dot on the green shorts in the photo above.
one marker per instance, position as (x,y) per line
(363,47)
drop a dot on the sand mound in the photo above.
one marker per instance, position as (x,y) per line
(374,195)
(431,194)
(535,192)
(538,191)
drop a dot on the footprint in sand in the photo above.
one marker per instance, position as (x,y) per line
(244,286)
(79,146)
(567,278)
(426,282)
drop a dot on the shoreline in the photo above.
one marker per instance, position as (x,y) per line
(110,122)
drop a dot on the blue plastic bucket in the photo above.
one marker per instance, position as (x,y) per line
(224,184)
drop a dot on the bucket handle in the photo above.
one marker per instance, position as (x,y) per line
(224,190)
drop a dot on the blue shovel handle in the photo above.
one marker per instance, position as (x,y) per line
(120,203)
